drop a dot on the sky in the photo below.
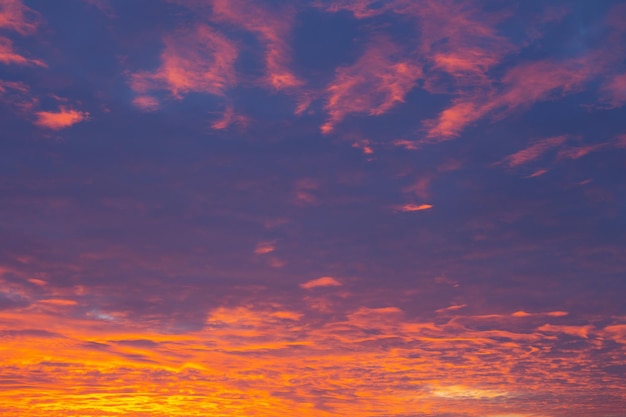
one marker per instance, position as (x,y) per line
(363,208)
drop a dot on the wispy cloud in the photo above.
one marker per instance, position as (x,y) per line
(9,56)
(377,81)
(522,86)
(14,15)
(197,60)
(273,29)
(533,152)
(229,118)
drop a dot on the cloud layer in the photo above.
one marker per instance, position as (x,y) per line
(402,208)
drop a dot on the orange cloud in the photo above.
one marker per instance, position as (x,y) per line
(451,308)
(61,119)
(413,207)
(272,361)
(373,85)
(200,60)
(321,282)
(549,314)
(272,27)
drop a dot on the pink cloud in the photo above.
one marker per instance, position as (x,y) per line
(522,86)
(614,90)
(146,103)
(321,282)
(17,17)
(199,60)
(264,248)
(373,85)
(272,27)
(579,151)
(533,152)
(421,187)
(458,37)
(61,119)
(360,8)
(229,118)
(18,95)
(9,56)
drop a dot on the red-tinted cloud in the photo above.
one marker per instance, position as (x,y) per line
(273,29)
(63,118)
(522,86)
(198,60)
(380,79)
(15,16)
(229,118)
(534,151)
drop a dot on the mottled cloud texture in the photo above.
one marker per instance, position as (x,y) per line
(363,208)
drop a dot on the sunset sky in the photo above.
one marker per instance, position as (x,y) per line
(313,208)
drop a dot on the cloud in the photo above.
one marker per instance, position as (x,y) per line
(9,56)
(614,90)
(459,38)
(146,103)
(321,282)
(18,95)
(533,152)
(413,207)
(464,392)
(522,86)
(229,118)
(17,17)
(577,152)
(61,119)
(549,314)
(264,248)
(420,187)
(272,27)
(375,83)
(360,8)
(199,60)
